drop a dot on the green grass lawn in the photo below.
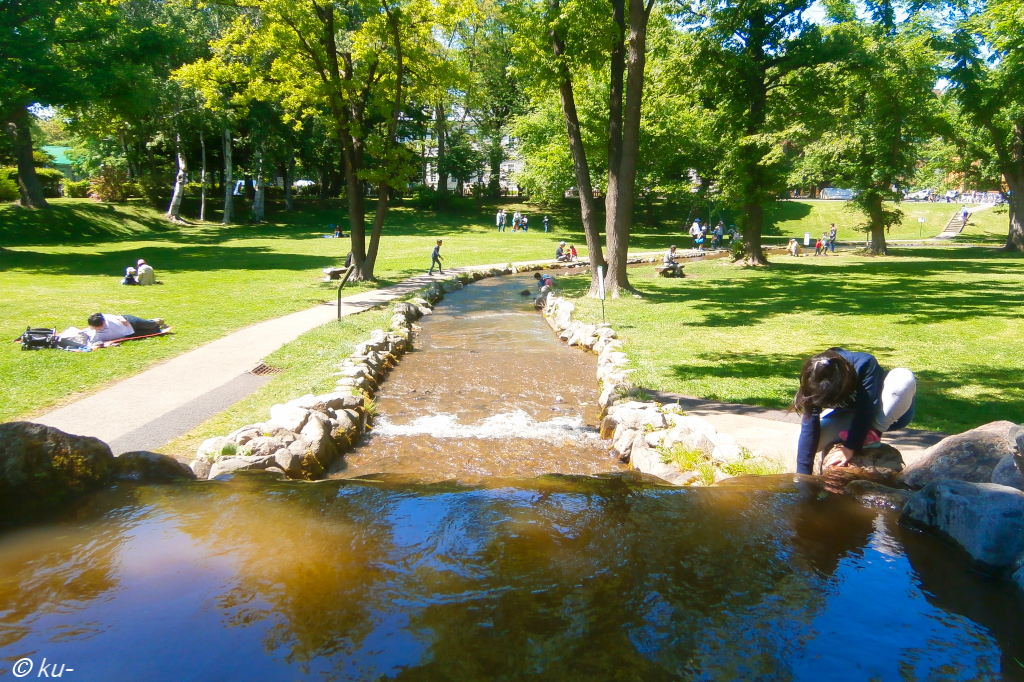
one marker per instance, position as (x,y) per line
(60,265)
(953,316)
(307,366)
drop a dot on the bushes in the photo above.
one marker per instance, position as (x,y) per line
(49,178)
(77,189)
(111,184)
(8,185)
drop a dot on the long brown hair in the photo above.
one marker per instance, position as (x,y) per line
(826,380)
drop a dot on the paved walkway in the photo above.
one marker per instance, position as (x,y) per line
(772,433)
(192,387)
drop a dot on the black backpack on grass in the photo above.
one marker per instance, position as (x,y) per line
(38,339)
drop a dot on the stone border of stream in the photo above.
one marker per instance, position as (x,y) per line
(304,437)
(644,434)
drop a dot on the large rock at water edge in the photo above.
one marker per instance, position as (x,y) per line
(879,496)
(40,466)
(984,519)
(1008,472)
(969,456)
(151,466)
(288,417)
(227,465)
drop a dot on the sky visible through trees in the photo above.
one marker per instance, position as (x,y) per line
(620,103)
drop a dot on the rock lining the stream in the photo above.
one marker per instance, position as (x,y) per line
(303,438)
(651,437)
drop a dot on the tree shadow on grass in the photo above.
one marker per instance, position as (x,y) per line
(940,406)
(197,258)
(871,287)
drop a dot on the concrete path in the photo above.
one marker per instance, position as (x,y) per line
(190,388)
(186,390)
(772,433)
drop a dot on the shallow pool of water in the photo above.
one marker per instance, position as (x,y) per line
(552,578)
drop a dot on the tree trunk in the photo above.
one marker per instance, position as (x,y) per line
(384,188)
(579,158)
(353,152)
(289,180)
(202,180)
(259,201)
(753,211)
(618,239)
(877,217)
(617,71)
(1015,204)
(174,210)
(442,135)
(229,182)
(250,188)
(28,182)
(497,156)
(1013,172)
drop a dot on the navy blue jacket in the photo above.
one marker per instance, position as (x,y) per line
(864,404)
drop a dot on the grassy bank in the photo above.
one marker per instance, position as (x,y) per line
(307,365)
(953,316)
(62,264)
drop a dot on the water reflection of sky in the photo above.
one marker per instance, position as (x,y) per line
(551,578)
(906,636)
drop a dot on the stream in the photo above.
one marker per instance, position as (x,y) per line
(482,533)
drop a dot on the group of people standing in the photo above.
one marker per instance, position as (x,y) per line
(699,231)
(826,242)
(519,221)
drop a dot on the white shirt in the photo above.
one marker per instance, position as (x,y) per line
(115,328)
(146,274)
(695,229)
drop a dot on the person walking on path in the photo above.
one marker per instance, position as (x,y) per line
(832,238)
(862,401)
(695,231)
(435,259)
(546,223)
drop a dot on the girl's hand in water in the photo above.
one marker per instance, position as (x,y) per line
(839,457)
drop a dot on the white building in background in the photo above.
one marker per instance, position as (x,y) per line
(510,167)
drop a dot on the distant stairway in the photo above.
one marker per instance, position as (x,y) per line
(954,227)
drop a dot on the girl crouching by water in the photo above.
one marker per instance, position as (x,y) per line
(848,401)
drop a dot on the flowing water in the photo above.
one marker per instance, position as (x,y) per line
(489,391)
(501,574)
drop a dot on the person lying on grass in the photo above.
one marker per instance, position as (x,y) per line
(848,401)
(105,328)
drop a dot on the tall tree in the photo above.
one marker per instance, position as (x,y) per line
(746,55)
(986,70)
(875,111)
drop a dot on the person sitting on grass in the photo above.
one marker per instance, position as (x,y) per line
(129,277)
(104,328)
(146,275)
(670,262)
(848,401)
(560,254)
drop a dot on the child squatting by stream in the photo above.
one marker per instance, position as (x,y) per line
(848,401)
